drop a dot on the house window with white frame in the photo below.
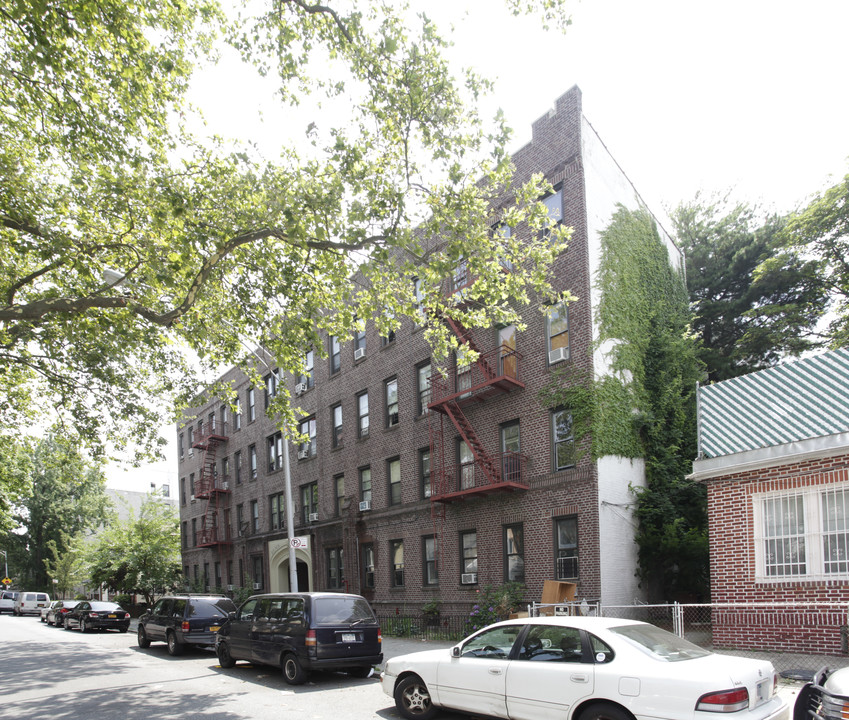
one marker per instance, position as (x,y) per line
(430,571)
(557,333)
(306,378)
(365,484)
(391,387)
(554,205)
(469,557)
(308,446)
(251,404)
(335,355)
(423,388)
(803,534)
(360,344)
(362,414)
(336,412)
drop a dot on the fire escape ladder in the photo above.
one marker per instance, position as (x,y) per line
(464,335)
(467,432)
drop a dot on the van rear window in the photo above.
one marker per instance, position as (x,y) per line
(342,611)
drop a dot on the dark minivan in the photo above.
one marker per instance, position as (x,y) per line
(300,632)
(181,620)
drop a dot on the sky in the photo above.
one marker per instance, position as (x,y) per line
(742,96)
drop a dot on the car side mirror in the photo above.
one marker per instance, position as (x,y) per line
(231,615)
(455,651)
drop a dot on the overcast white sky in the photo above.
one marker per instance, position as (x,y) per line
(743,95)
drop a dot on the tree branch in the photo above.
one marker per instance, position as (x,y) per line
(324,9)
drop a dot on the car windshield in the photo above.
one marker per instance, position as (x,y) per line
(660,644)
(219,607)
(342,611)
(105,606)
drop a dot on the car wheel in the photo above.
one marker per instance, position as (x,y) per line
(360,672)
(293,671)
(143,640)
(83,627)
(225,659)
(174,648)
(43,619)
(604,711)
(67,624)
(412,699)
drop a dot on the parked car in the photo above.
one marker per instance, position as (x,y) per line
(582,668)
(30,603)
(97,615)
(7,601)
(301,632)
(57,611)
(47,608)
(181,620)
(825,697)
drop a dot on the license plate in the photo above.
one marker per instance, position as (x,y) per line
(349,637)
(763,690)
(214,628)
(112,617)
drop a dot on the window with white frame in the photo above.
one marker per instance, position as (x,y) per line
(251,404)
(305,379)
(554,205)
(802,534)
(423,387)
(557,333)
(360,344)
(469,557)
(391,387)
(335,354)
(365,484)
(562,439)
(362,414)
(275,451)
(252,461)
(336,412)
(430,571)
(308,446)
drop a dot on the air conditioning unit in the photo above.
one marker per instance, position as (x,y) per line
(230,588)
(313,517)
(300,388)
(364,431)
(303,453)
(365,505)
(557,355)
(257,586)
(192,498)
(468,578)
(225,485)
(359,354)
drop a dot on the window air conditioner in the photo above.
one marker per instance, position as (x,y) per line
(468,578)
(364,431)
(300,388)
(303,453)
(257,586)
(230,588)
(225,485)
(192,498)
(365,505)
(359,354)
(313,517)
(557,355)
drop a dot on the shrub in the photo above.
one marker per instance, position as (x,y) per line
(494,604)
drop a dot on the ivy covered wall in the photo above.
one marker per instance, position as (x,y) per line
(644,406)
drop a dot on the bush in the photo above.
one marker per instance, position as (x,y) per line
(494,604)
(123,600)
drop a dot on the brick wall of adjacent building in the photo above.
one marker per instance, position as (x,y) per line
(733,564)
(555,150)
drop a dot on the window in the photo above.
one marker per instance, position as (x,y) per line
(418,293)
(192,486)
(305,379)
(191,432)
(362,414)
(270,387)
(514,553)
(469,557)
(255,515)
(194,532)
(217,574)
(241,526)
(205,576)
(308,446)
(225,472)
(360,344)
(396,553)
(557,332)
(182,491)
(336,412)
(184,534)
(237,415)
(563,443)
(335,354)
(430,572)
(566,548)
(365,484)
(252,461)
(550,643)
(495,643)
(256,561)
(390,333)
(801,534)
(368,567)
(461,277)
(335,569)
(511,459)
(391,387)
(277,504)
(251,404)
(463,369)
(393,472)
(224,413)
(508,359)
(423,388)
(466,465)
(424,471)
(275,451)
(309,502)
(554,205)
(339,494)
(502,233)
(180,445)
(237,466)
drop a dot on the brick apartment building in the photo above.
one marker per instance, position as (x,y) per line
(410,492)
(774,454)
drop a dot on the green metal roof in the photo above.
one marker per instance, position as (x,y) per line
(787,403)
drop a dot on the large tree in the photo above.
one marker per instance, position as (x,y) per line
(65,498)
(128,244)
(745,320)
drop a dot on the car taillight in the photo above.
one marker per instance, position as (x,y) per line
(379,637)
(310,639)
(93,614)
(126,615)
(185,627)
(725,701)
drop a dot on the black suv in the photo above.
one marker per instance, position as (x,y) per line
(181,620)
(299,632)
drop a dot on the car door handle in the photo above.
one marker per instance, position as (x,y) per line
(495,671)
(576,677)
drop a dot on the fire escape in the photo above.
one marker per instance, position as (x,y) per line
(470,470)
(214,489)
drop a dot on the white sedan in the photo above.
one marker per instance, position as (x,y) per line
(582,668)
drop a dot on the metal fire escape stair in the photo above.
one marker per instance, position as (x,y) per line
(212,532)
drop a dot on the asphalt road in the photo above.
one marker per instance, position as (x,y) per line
(48,672)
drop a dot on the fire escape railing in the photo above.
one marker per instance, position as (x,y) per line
(212,487)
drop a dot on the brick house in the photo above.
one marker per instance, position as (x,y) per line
(774,454)
(410,492)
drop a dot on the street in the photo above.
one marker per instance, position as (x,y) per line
(67,675)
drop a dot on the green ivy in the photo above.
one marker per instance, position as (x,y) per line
(644,407)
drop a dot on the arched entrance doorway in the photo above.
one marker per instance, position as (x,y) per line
(278,554)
